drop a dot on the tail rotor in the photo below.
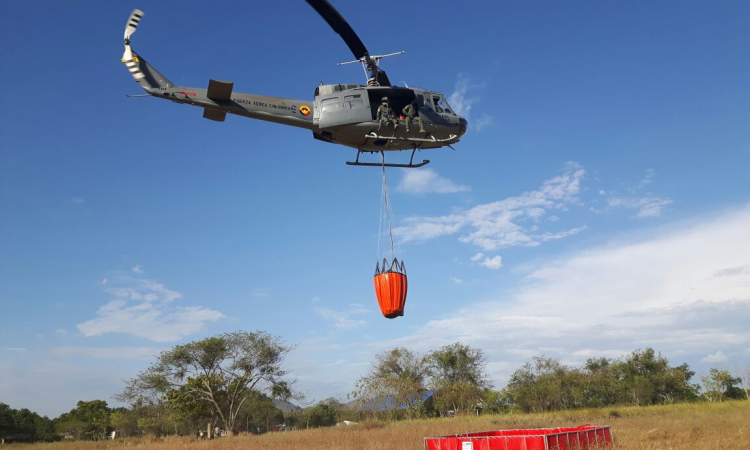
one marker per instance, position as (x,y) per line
(127,56)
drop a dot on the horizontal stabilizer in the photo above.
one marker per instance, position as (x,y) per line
(220,90)
(212,114)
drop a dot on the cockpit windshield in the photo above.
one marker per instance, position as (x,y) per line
(441,106)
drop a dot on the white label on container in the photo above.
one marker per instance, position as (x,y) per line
(467,446)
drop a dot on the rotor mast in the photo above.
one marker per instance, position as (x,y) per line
(371,66)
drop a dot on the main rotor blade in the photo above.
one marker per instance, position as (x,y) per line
(383,78)
(340,26)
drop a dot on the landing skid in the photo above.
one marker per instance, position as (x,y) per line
(374,135)
(384,164)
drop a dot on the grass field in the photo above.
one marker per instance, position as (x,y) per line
(700,426)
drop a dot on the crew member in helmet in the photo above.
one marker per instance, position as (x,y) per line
(410,113)
(386,114)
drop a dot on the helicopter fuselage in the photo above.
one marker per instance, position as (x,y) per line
(346,114)
(341,114)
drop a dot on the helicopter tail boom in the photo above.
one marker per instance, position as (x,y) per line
(148,77)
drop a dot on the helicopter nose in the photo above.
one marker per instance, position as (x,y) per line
(463,125)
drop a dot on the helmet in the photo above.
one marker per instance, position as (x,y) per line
(384,99)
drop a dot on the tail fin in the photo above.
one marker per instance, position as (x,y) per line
(145,74)
(148,77)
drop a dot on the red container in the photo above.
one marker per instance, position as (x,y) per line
(390,288)
(573,438)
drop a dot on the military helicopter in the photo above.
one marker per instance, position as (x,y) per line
(345,114)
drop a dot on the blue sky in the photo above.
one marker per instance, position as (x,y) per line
(599,203)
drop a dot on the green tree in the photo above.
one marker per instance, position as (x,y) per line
(324,414)
(458,377)
(124,421)
(721,385)
(6,420)
(189,407)
(225,370)
(44,429)
(88,420)
(397,379)
(25,425)
(537,385)
(745,380)
(259,413)
(603,386)
(648,379)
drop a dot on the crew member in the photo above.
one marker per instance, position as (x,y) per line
(410,113)
(386,114)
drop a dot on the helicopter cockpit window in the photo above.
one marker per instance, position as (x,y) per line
(441,105)
(330,105)
(353,101)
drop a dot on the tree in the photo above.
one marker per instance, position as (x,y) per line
(188,406)
(721,385)
(641,378)
(324,414)
(648,379)
(24,425)
(745,378)
(6,420)
(603,386)
(538,386)
(396,381)
(88,420)
(124,421)
(221,371)
(458,377)
(259,413)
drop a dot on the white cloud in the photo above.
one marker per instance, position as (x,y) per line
(144,308)
(344,319)
(495,262)
(482,122)
(261,292)
(463,99)
(661,292)
(76,201)
(646,206)
(457,281)
(425,181)
(13,349)
(501,224)
(717,357)
(733,271)
(104,281)
(491,263)
(138,270)
(61,332)
(647,179)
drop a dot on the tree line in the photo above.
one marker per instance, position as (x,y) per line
(238,383)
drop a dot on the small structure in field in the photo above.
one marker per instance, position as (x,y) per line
(582,437)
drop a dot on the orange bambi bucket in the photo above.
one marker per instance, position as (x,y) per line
(390,288)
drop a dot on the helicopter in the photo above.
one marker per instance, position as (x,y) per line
(345,114)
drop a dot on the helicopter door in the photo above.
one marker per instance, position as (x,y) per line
(343,108)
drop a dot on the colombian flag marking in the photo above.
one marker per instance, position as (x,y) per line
(305,110)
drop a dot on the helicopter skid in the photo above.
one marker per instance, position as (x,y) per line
(384,164)
(374,135)
(413,166)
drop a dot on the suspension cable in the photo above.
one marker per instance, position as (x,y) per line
(387,205)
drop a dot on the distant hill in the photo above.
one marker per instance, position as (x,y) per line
(286,407)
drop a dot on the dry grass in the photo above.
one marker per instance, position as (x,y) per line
(676,427)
